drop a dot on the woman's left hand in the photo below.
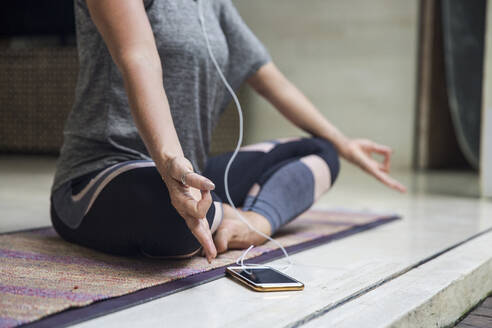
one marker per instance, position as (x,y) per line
(359,152)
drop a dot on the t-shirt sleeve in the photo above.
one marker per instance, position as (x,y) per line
(246,53)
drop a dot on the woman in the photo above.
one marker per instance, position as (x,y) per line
(133,175)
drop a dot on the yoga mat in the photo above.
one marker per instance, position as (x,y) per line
(48,282)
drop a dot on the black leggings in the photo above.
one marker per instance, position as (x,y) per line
(133,214)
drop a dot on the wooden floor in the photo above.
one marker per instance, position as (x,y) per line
(480,317)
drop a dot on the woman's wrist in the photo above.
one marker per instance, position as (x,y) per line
(340,142)
(164,161)
(343,147)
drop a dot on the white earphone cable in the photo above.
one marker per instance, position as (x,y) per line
(240,260)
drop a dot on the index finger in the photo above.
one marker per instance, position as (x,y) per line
(200,229)
(198,181)
(389,181)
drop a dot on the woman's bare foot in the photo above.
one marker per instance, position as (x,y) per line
(235,234)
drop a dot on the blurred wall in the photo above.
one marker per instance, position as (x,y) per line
(355,59)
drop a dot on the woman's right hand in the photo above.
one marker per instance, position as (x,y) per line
(192,200)
(127,33)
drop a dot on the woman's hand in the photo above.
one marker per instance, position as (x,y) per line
(127,33)
(359,152)
(192,200)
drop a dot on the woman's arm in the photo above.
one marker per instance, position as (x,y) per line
(126,30)
(292,104)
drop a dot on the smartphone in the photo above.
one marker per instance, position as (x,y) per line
(264,278)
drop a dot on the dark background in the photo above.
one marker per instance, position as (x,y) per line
(37,17)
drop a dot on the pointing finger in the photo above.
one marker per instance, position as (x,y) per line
(201,231)
(389,181)
(198,181)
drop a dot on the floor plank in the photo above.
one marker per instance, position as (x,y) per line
(487,303)
(483,311)
(478,321)
(480,317)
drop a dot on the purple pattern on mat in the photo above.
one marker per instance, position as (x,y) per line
(188,271)
(333,223)
(51,293)
(52,258)
(44,232)
(9,322)
(309,234)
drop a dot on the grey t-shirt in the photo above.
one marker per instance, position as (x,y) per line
(100,130)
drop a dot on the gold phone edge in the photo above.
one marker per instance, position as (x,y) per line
(264,289)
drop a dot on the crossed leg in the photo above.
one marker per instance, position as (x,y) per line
(273,182)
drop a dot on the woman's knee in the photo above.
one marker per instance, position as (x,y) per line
(165,235)
(182,245)
(170,237)
(92,235)
(302,146)
(327,151)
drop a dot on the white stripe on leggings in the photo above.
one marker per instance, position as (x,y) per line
(108,179)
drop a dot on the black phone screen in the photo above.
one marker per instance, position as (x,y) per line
(264,276)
